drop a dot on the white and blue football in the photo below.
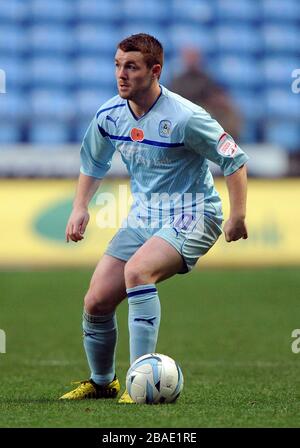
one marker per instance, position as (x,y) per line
(154,378)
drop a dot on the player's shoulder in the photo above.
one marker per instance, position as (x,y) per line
(180,105)
(184,110)
(114,103)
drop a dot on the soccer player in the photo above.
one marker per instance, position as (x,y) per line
(165,141)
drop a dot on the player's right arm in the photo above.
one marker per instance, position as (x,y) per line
(79,218)
(96,154)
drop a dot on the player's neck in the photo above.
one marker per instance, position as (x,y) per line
(142,104)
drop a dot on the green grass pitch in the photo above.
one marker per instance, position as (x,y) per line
(230,331)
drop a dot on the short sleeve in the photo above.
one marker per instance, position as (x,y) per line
(96,152)
(206,137)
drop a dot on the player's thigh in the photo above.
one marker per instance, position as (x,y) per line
(156,260)
(107,283)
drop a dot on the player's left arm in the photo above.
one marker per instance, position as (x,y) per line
(206,137)
(235,227)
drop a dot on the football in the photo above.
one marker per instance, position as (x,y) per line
(154,378)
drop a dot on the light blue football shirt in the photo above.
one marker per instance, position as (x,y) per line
(165,151)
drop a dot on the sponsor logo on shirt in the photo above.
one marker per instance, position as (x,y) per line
(109,118)
(164,128)
(227,146)
(137,135)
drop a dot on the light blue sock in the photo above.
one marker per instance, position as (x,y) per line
(100,335)
(143,320)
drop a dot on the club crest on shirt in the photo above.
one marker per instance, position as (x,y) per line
(137,135)
(226,146)
(164,128)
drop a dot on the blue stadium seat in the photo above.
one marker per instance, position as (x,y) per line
(249,103)
(248,10)
(95,72)
(238,72)
(278,70)
(283,104)
(97,39)
(239,38)
(89,101)
(287,10)
(188,35)
(281,38)
(95,10)
(16,72)
(9,133)
(45,132)
(52,11)
(249,132)
(155,10)
(192,11)
(284,133)
(51,39)
(13,11)
(51,72)
(13,39)
(80,129)
(13,106)
(53,105)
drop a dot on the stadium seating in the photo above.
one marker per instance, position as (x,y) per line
(250,103)
(153,10)
(282,104)
(239,39)
(277,71)
(16,72)
(52,105)
(94,11)
(13,107)
(191,11)
(192,35)
(97,39)
(13,11)
(51,39)
(281,38)
(13,40)
(48,133)
(284,133)
(58,58)
(282,11)
(232,10)
(9,133)
(94,72)
(51,72)
(55,11)
(238,71)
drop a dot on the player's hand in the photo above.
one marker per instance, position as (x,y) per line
(235,229)
(77,223)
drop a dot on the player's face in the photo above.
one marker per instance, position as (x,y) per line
(133,76)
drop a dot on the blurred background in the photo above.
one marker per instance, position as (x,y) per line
(238,59)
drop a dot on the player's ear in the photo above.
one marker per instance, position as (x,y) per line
(156,71)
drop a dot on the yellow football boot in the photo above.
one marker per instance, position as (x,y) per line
(89,389)
(125,398)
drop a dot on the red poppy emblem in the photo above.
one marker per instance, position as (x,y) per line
(137,135)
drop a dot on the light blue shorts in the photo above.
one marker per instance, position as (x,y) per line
(191,244)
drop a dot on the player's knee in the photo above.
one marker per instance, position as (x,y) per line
(97,304)
(136,275)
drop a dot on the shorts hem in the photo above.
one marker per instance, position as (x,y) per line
(113,254)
